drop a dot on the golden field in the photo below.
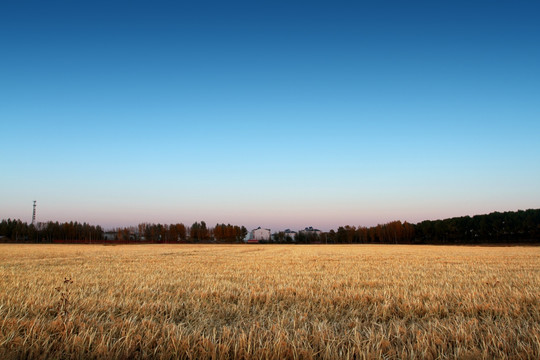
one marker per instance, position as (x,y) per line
(269,301)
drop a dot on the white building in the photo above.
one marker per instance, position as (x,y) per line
(257,235)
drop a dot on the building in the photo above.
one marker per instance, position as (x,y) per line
(288,233)
(258,234)
(311,231)
(110,235)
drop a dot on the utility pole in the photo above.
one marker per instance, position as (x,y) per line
(34,214)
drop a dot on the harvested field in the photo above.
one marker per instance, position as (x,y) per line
(270,302)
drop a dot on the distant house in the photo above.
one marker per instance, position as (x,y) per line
(311,231)
(258,234)
(110,235)
(288,233)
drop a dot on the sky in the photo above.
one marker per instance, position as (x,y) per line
(267,113)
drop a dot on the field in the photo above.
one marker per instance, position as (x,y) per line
(270,302)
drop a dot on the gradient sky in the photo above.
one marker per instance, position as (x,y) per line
(264,113)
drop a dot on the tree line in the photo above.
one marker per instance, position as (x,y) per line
(497,227)
(507,227)
(197,232)
(18,231)
(521,226)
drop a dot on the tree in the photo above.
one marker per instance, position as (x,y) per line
(199,232)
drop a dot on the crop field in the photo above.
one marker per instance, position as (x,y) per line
(269,302)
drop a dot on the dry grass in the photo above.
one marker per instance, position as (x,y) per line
(270,302)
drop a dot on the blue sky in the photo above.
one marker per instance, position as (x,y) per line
(281,115)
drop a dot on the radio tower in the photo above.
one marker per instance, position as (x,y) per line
(34,214)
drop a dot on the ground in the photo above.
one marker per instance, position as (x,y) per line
(269,301)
